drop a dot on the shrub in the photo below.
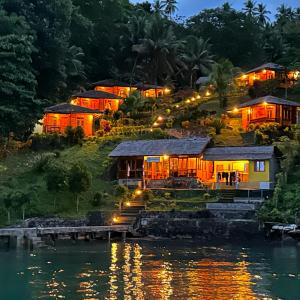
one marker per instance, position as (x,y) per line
(78,134)
(121,191)
(41,162)
(69,132)
(98,199)
(218,124)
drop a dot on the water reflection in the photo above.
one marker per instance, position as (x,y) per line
(147,271)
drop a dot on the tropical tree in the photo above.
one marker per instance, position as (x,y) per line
(19,108)
(221,77)
(158,50)
(20,200)
(262,14)
(170,6)
(158,7)
(197,58)
(284,15)
(56,181)
(79,181)
(249,8)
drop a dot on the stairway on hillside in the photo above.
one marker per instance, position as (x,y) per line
(129,211)
(227,196)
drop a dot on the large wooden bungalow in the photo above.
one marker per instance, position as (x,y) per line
(97,100)
(58,117)
(269,71)
(152,90)
(190,163)
(115,87)
(268,109)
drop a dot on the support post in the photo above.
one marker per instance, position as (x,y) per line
(124,236)
(20,241)
(109,236)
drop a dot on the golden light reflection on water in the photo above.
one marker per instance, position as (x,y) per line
(142,272)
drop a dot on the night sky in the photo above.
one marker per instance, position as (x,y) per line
(190,7)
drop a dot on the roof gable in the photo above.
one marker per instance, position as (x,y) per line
(192,146)
(268,99)
(267,66)
(67,108)
(111,83)
(96,95)
(239,153)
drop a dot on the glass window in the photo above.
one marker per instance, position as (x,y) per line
(259,166)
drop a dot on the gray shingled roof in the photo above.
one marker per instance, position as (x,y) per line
(267,66)
(92,94)
(147,86)
(111,83)
(239,153)
(192,146)
(268,99)
(66,108)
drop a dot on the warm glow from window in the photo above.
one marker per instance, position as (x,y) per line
(264,71)
(244,76)
(166,157)
(235,110)
(265,103)
(138,192)
(115,219)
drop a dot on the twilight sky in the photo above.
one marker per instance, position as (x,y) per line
(190,7)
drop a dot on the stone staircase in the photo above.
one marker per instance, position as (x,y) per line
(227,196)
(129,211)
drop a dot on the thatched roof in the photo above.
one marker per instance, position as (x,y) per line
(191,146)
(239,153)
(146,86)
(92,94)
(66,108)
(270,100)
(111,83)
(267,66)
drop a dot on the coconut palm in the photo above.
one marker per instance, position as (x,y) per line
(158,7)
(249,8)
(284,14)
(197,57)
(222,76)
(158,49)
(170,7)
(262,14)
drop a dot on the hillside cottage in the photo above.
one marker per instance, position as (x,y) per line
(97,100)
(268,109)
(59,116)
(192,163)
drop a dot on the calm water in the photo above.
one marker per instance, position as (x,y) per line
(151,270)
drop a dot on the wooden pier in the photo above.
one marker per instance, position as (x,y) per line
(33,237)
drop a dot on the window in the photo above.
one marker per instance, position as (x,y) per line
(80,122)
(259,166)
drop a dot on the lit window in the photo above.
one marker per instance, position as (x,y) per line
(259,166)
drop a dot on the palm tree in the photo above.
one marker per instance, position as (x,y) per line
(170,7)
(158,7)
(284,14)
(226,6)
(262,12)
(249,8)
(197,57)
(221,77)
(158,49)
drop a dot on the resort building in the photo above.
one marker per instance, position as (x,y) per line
(59,116)
(115,87)
(190,163)
(97,100)
(268,109)
(152,91)
(269,71)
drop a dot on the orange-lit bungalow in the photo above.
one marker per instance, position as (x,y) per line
(115,87)
(59,116)
(190,163)
(97,100)
(152,91)
(264,72)
(268,109)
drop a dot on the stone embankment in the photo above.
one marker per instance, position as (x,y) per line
(199,225)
